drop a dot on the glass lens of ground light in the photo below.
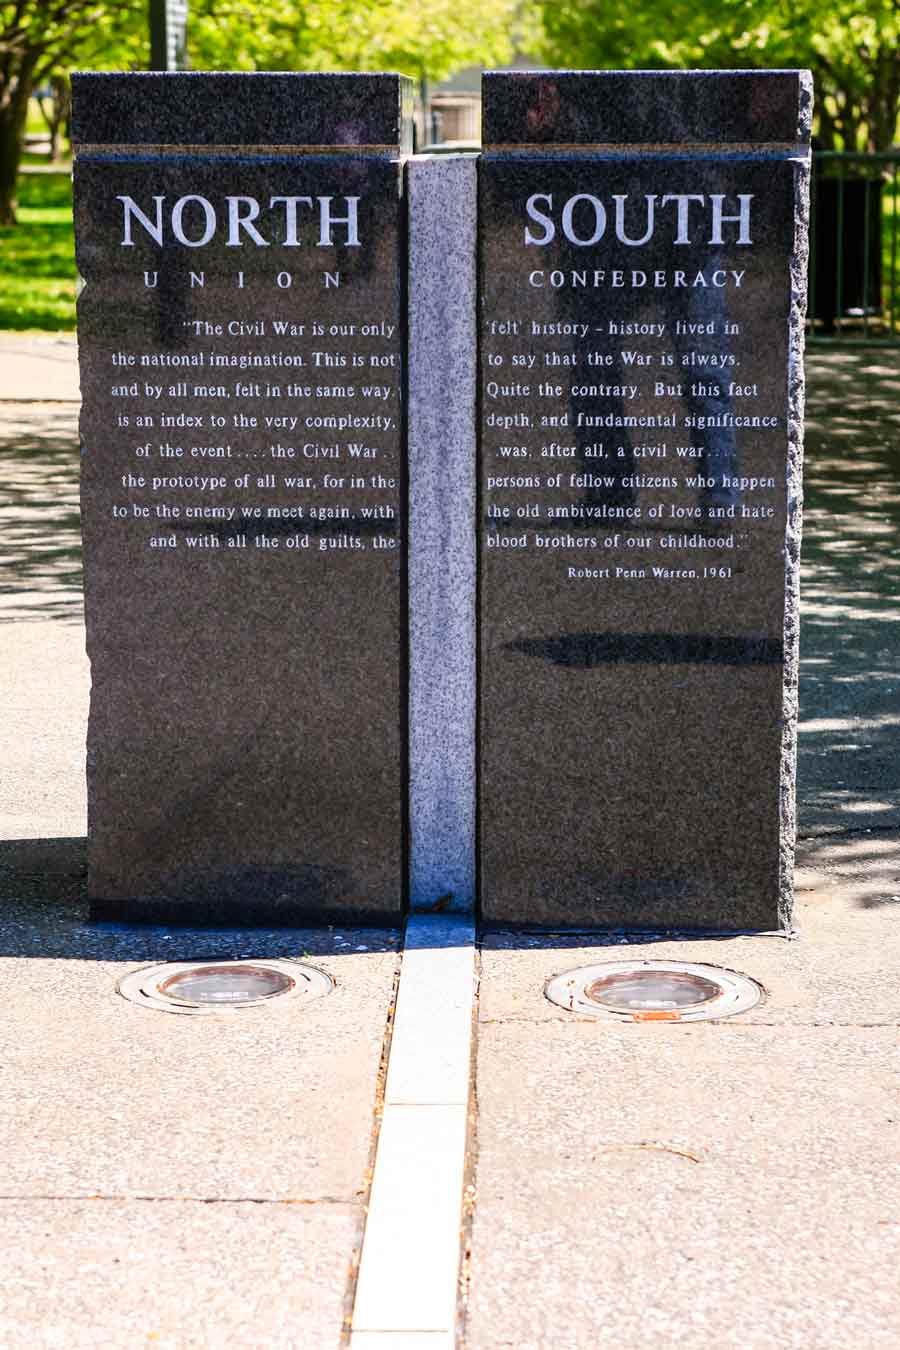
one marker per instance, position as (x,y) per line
(226,984)
(652,990)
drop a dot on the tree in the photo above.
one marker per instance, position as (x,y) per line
(423,38)
(851,46)
(36,36)
(55,102)
(428,40)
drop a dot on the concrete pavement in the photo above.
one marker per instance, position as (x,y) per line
(181,1181)
(166,1181)
(39,367)
(732,1183)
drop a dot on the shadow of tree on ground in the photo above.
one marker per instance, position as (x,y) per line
(849,755)
(40,553)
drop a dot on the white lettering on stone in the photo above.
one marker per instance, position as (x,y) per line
(290,216)
(208,214)
(592,218)
(683,201)
(131,209)
(620,199)
(742,218)
(327,220)
(238,221)
(239,216)
(599,219)
(540,218)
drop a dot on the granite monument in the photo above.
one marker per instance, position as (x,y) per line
(241,329)
(643,244)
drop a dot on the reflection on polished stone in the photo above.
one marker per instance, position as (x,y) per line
(642,242)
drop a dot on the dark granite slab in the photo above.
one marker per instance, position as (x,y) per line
(615,107)
(640,510)
(244,569)
(201,108)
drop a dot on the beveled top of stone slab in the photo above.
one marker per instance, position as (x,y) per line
(645,107)
(247,108)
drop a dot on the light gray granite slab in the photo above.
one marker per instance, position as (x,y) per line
(441,430)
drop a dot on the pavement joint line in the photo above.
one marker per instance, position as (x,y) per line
(470,1177)
(730,1023)
(840,830)
(621,937)
(354,1202)
(407,1281)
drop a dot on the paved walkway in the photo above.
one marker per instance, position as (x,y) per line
(39,367)
(186,1182)
(180,1181)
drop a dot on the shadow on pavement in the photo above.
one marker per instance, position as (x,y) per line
(40,560)
(866,864)
(44,913)
(849,751)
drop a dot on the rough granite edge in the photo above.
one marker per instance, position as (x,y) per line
(805,106)
(160,908)
(794,520)
(442,335)
(782,911)
(503,84)
(210,120)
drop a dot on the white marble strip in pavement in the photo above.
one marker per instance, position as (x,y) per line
(402,1340)
(406,1289)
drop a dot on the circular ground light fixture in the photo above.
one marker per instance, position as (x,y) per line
(654,991)
(222,986)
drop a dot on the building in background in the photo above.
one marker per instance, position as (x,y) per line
(454,106)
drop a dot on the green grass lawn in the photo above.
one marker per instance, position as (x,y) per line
(37,256)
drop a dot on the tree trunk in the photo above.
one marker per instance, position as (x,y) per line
(826,137)
(13,112)
(884,99)
(59,112)
(10,158)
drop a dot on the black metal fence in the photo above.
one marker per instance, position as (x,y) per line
(854,286)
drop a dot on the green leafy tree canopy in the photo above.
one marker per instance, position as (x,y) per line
(852,48)
(425,40)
